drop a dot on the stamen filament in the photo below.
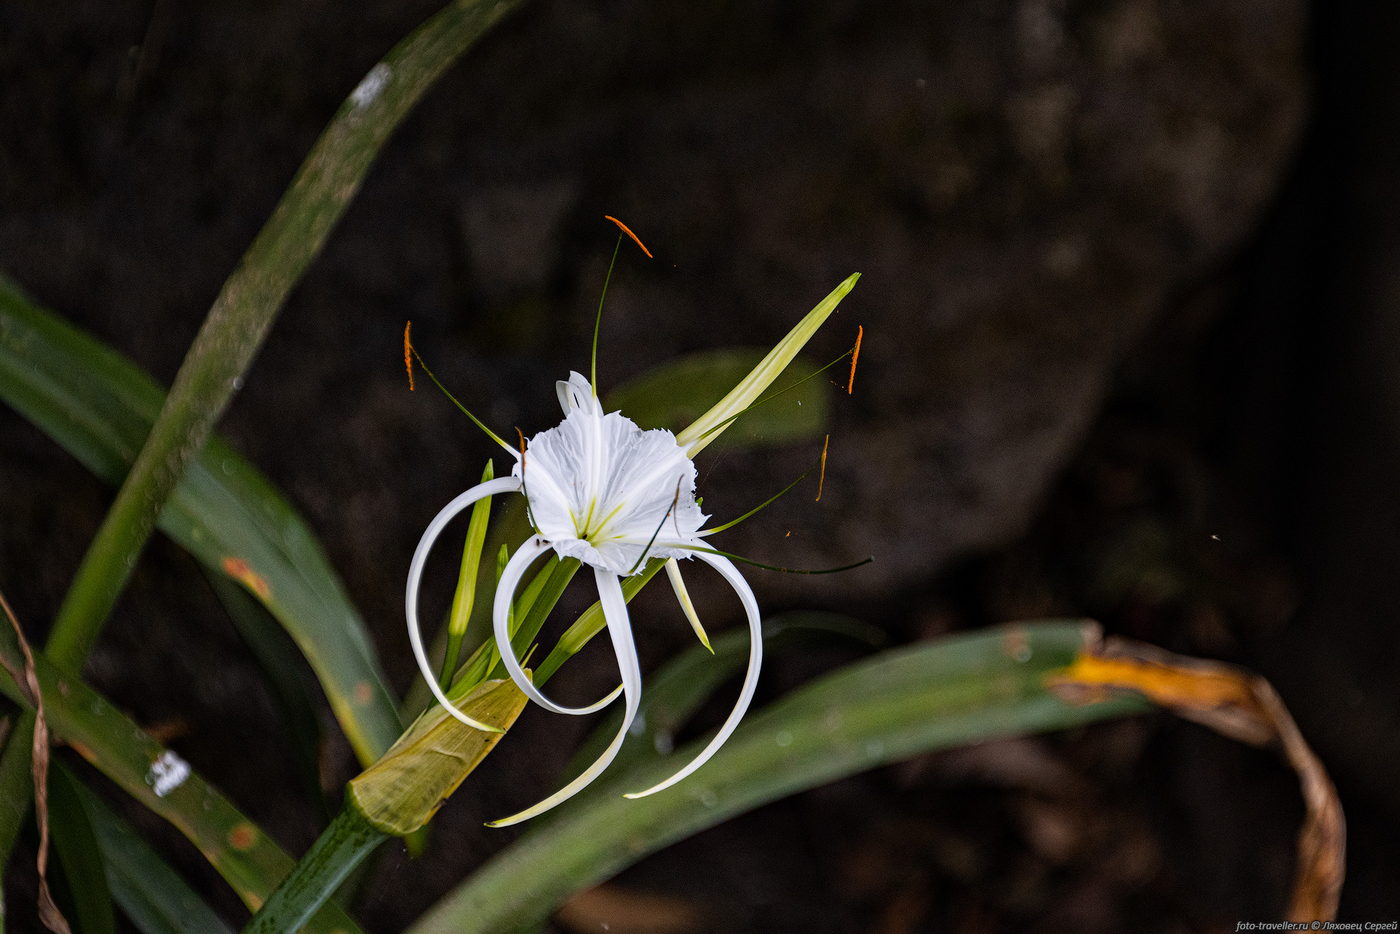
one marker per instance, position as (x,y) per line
(409,349)
(651,541)
(706,550)
(598,319)
(760,507)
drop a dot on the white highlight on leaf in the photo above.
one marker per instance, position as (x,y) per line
(371,86)
(167,773)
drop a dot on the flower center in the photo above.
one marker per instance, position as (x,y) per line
(606,492)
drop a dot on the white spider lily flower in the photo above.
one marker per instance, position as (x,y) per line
(603,491)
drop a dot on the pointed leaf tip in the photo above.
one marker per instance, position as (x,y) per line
(710,425)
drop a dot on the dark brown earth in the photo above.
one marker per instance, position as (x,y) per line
(1129,270)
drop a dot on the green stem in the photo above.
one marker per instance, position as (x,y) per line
(339,849)
(246,307)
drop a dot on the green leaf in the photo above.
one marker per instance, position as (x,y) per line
(683,684)
(248,303)
(748,391)
(332,858)
(952,692)
(150,893)
(238,849)
(678,392)
(287,678)
(84,868)
(15,773)
(99,407)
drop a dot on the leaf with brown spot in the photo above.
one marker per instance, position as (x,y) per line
(124,752)
(100,408)
(242,572)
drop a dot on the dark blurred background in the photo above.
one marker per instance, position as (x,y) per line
(1131,294)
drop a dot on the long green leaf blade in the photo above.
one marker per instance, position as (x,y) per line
(83,862)
(248,303)
(680,391)
(898,704)
(99,406)
(678,689)
(150,893)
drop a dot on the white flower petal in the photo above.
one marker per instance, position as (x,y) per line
(606,492)
(577,393)
(736,580)
(415,577)
(514,570)
(620,629)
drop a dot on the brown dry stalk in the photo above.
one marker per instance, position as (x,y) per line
(39,763)
(1243,706)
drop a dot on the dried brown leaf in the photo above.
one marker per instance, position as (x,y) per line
(39,763)
(1244,706)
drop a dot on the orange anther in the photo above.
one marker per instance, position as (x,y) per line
(855,357)
(821,477)
(408,353)
(628,230)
